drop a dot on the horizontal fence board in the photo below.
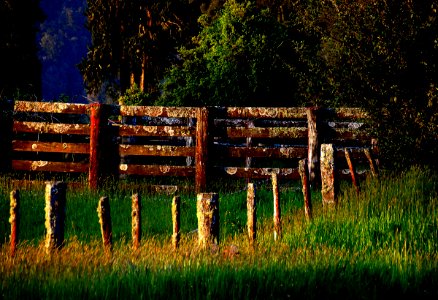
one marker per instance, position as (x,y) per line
(51,107)
(347,113)
(139,130)
(344,134)
(158,111)
(52,128)
(257,173)
(267,112)
(46,166)
(283,152)
(156,150)
(35,146)
(156,170)
(267,132)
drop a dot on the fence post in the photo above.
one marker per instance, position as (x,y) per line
(104,214)
(201,155)
(95,128)
(55,214)
(371,162)
(208,219)
(313,145)
(176,213)
(304,173)
(328,180)
(14,219)
(136,221)
(352,170)
(251,214)
(277,209)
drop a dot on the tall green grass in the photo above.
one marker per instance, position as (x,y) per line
(380,243)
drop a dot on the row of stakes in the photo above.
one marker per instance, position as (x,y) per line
(207,214)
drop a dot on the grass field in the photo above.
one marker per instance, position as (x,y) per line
(381,243)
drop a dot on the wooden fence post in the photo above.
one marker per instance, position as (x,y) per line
(103,211)
(14,219)
(371,162)
(251,207)
(304,173)
(328,180)
(201,155)
(352,170)
(136,221)
(176,213)
(277,209)
(208,219)
(55,214)
(95,130)
(313,146)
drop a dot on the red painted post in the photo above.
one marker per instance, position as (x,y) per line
(352,170)
(95,126)
(14,220)
(201,149)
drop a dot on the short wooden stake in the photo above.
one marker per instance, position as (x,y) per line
(313,145)
(352,170)
(103,211)
(55,214)
(304,173)
(328,184)
(251,214)
(136,221)
(14,219)
(277,209)
(208,219)
(371,162)
(176,213)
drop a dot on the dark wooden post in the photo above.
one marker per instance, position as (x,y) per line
(136,221)
(277,209)
(352,170)
(313,145)
(201,155)
(55,214)
(103,211)
(208,219)
(328,184)
(95,131)
(176,213)
(304,173)
(251,207)
(14,219)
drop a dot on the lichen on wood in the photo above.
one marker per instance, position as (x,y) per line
(251,206)
(328,187)
(208,219)
(136,221)
(55,196)
(14,220)
(104,214)
(176,217)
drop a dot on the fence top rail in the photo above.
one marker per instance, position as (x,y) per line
(158,111)
(263,112)
(51,107)
(347,113)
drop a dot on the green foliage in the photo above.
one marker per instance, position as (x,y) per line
(134,96)
(242,57)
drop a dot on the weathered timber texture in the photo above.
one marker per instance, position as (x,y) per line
(328,184)
(140,130)
(349,113)
(57,128)
(373,167)
(304,173)
(266,112)
(156,150)
(258,173)
(14,220)
(313,145)
(277,208)
(352,170)
(344,134)
(136,221)
(158,111)
(201,155)
(50,107)
(176,217)
(39,165)
(251,207)
(95,145)
(156,170)
(208,219)
(248,158)
(55,196)
(267,132)
(281,152)
(104,214)
(35,146)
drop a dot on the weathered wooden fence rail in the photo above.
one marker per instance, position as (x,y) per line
(199,143)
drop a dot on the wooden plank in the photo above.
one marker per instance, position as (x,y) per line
(266,112)
(267,132)
(349,113)
(257,173)
(138,130)
(343,134)
(35,146)
(45,166)
(156,150)
(283,152)
(43,127)
(156,170)
(51,107)
(158,111)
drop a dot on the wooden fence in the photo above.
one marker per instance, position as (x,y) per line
(198,143)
